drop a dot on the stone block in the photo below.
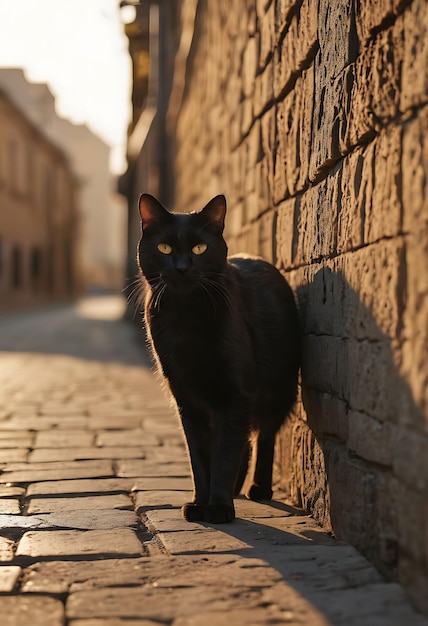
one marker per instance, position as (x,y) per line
(169,483)
(414,578)
(267,35)
(325,365)
(249,65)
(316,227)
(247,116)
(413,168)
(136,467)
(200,540)
(370,438)
(60,577)
(321,291)
(284,10)
(356,193)
(94,486)
(352,493)
(153,602)
(337,35)
(375,276)
(285,233)
(414,474)
(82,453)
(29,472)
(56,505)
(294,123)
(415,332)
(83,519)
(285,62)
(264,189)
(327,414)
(410,521)
(16,439)
(170,520)
(63,439)
(264,91)
(43,611)
(306,41)
(330,119)
(266,241)
(16,455)
(114,421)
(303,470)
(146,500)
(370,17)
(138,437)
(6,549)
(9,506)
(374,386)
(414,91)
(378,64)
(383,212)
(62,543)
(9,575)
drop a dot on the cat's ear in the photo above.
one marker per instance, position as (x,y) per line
(214,212)
(151,211)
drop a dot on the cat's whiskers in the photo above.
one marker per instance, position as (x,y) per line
(211,299)
(216,292)
(135,298)
(158,289)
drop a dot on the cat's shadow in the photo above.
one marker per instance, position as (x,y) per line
(348,362)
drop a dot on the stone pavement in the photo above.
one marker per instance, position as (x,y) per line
(92,474)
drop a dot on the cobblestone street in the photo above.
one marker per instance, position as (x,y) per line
(93,474)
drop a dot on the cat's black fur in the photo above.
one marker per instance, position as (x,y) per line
(225,334)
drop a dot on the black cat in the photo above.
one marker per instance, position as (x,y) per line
(225,335)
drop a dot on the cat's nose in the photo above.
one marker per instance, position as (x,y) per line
(182,265)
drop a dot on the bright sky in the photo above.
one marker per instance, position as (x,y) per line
(79,48)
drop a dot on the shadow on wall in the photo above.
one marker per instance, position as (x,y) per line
(356,455)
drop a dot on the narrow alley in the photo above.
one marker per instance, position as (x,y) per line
(93,472)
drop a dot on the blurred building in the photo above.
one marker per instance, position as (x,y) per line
(154,38)
(38,215)
(102,213)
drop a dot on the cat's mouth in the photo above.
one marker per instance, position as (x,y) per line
(181,282)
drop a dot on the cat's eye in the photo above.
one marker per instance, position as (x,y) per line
(199,248)
(165,248)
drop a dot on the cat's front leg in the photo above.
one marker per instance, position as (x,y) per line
(196,431)
(230,437)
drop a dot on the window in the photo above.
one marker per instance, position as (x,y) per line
(16,268)
(35,267)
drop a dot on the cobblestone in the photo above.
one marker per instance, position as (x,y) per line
(102,543)
(8,577)
(35,610)
(52,505)
(9,506)
(92,516)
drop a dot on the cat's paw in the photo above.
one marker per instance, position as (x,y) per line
(219,513)
(259,493)
(193,512)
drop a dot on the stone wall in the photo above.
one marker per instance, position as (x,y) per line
(312,117)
